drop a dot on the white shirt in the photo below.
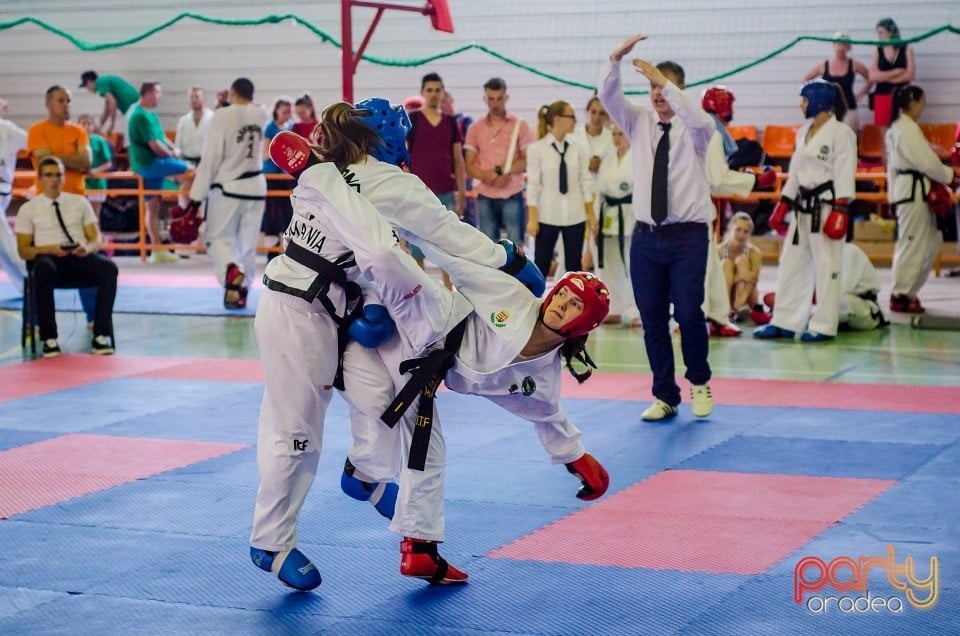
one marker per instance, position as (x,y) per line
(543,180)
(690,133)
(38,218)
(908,149)
(12,139)
(191,135)
(231,152)
(831,155)
(723,180)
(597,145)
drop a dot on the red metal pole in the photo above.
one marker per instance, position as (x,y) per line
(346,51)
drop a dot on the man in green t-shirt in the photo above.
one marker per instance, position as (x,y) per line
(153,157)
(118,96)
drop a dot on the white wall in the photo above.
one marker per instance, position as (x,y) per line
(567,38)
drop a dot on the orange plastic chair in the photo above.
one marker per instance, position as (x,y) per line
(779,141)
(743,132)
(871,143)
(942,137)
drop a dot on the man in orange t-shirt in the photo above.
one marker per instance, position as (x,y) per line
(55,136)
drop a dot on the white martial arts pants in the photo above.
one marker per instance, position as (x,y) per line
(918,243)
(813,264)
(615,274)
(10,259)
(716,297)
(231,233)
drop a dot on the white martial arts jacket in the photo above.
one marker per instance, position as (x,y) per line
(231,158)
(12,139)
(830,156)
(615,180)
(908,149)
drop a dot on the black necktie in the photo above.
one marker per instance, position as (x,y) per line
(563,167)
(63,226)
(661,163)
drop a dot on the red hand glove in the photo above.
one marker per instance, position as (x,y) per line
(955,155)
(766,180)
(778,222)
(838,220)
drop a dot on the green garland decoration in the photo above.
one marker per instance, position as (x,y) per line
(84,45)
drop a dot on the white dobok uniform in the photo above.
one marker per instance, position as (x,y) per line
(911,164)
(12,139)
(230,178)
(615,215)
(809,259)
(723,182)
(297,337)
(859,308)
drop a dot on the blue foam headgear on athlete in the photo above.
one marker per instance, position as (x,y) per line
(820,95)
(392,124)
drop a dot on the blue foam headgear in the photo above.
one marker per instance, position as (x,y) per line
(820,95)
(392,124)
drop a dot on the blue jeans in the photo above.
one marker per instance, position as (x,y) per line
(449,201)
(510,214)
(669,265)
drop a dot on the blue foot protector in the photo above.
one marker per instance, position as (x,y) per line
(383,495)
(293,568)
(814,336)
(768,332)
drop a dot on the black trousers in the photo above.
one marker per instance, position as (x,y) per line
(93,270)
(546,241)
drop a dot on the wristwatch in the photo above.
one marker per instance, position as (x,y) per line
(498,170)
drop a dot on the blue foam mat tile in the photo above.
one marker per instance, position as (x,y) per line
(935,504)
(86,407)
(821,458)
(14,438)
(75,558)
(765,605)
(208,412)
(861,426)
(238,467)
(205,508)
(14,600)
(187,301)
(354,580)
(95,615)
(945,464)
(362,627)
(529,597)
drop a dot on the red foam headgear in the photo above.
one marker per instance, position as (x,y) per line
(595,297)
(719,101)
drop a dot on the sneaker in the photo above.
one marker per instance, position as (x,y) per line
(659,410)
(50,348)
(419,558)
(102,346)
(701,400)
(163,256)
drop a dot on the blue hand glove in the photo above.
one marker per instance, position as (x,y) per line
(373,328)
(523,270)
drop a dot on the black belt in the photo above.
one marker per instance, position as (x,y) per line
(245,197)
(328,273)
(809,201)
(918,177)
(666,228)
(426,374)
(621,241)
(193,159)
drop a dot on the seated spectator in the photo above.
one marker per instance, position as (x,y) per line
(741,262)
(153,157)
(58,232)
(102,162)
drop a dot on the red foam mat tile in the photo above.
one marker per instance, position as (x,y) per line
(699,521)
(58,469)
(827,395)
(63,372)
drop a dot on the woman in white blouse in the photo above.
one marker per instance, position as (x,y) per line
(911,165)
(559,189)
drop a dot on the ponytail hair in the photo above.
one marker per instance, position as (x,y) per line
(546,114)
(576,349)
(840,105)
(341,136)
(903,97)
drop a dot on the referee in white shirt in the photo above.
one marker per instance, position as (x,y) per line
(671,201)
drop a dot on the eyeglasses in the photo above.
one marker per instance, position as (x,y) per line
(55,175)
